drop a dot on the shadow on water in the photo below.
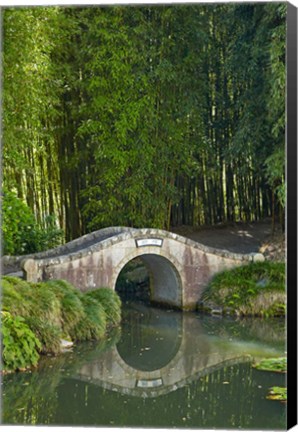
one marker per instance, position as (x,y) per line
(164,369)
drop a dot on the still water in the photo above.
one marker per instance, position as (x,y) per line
(164,369)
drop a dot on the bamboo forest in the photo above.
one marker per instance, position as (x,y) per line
(145,116)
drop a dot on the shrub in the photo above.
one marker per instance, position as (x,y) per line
(38,315)
(110,302)
(37,304)
(31,299)
(12,299)
(21,232)
(48,334)
(19,226)
(72,309)
(20,345)
(94,322)
(49,235)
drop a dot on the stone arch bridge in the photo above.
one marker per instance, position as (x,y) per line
(179,268)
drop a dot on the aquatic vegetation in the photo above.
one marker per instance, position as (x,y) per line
(256,289)
(49,311)
(277,393)
(272,364)
(278,364)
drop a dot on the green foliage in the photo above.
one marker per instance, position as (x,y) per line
(47,333)
(49,235)
(278,393)
(93,323)
(21,233)
(20,345)
(18,226)
(275,172)
(40,301)
(12,298)
(273,364)
(110,301)
(155,115)
(72,309)
(53,310)
(253,289)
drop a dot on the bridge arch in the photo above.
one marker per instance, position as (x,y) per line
(96,260)
(164,273)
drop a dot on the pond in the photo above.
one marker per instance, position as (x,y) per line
(164,369)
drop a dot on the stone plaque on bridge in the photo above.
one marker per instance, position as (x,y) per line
(149,242)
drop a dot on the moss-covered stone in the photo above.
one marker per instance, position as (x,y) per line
(256,289)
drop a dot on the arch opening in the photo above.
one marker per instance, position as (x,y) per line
(133,282)
(152,278)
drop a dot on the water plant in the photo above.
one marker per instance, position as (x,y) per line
(277,393)
(278,364)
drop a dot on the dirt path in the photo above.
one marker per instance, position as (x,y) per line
(239,237)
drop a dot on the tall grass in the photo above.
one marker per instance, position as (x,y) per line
(55,309)
(72,309)
(47,333)
(110,302)
(93,323)
(13,300)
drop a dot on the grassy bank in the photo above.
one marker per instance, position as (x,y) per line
(256,289)
(37,316)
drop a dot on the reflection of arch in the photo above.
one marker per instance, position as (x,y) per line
(164,271)
(151,346)
(195,358)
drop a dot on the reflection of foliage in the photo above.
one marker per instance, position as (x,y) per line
(31,397)
(20,346)
(277,393)
(271,330)
(253,289)
(273,364)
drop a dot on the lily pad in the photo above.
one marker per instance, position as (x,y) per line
(277,393)
(272,364)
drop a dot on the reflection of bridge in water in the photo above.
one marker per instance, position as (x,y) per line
(169,357)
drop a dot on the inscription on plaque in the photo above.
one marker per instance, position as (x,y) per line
(149,242)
